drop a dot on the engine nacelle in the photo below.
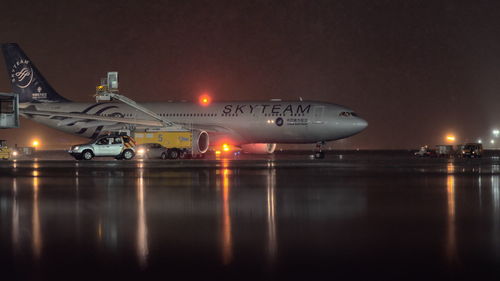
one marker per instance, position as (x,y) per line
(200,142)
(258,148)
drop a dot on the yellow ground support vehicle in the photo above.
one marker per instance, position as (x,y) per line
(179,144)
(5,152)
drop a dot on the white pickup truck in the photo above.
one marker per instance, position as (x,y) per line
(118,146)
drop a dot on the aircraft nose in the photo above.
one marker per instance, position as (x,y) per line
(360,124)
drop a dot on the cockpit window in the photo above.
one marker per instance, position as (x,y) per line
(347,114)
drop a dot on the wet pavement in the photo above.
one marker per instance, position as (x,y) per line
(353,216)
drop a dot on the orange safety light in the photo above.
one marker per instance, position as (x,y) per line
(205,100)
(225,147)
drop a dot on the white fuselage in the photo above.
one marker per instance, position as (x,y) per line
(232,122)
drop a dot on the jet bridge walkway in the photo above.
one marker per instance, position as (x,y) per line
(9,111)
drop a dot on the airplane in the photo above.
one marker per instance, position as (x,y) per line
(254,126)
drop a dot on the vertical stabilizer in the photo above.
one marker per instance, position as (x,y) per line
(26,80)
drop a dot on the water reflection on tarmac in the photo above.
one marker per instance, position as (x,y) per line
(351,217)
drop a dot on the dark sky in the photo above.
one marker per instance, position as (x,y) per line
(414,69)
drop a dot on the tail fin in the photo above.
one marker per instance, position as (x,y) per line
(26,80)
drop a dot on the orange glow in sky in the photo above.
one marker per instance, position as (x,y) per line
(205,100)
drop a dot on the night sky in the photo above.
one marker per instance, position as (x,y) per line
(414,70)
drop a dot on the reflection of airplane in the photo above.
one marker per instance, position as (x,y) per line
(256,126)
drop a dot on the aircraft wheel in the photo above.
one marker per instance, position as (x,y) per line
(128,154)
(185,155)
(319,155)
(87,155)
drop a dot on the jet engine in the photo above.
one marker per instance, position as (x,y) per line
(258,148)
(200,141)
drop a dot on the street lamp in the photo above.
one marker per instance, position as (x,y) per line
(36,144)
(496,132)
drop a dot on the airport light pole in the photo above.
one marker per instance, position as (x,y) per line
(36,144)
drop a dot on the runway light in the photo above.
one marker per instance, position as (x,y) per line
(492,141)
(205,100)
(479,141)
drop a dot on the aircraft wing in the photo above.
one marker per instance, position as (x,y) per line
(91,120)
(82,117)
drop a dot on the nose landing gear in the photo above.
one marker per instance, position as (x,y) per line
(318,151)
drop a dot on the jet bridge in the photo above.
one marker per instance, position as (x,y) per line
(9,111)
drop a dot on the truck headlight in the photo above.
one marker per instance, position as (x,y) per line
(14,153)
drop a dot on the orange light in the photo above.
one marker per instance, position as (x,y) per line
(205,100)
(450,138)
(225,147)
(217,152)
(36,143)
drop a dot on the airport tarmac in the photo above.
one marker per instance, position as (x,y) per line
(351,216)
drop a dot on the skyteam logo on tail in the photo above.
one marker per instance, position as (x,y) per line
(22,73)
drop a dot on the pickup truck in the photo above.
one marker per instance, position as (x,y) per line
(114,145)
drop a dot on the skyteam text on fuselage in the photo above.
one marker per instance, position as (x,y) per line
(237,123)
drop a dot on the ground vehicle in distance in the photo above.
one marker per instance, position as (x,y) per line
(444,150)
(5,152)
(119,146)
(471,150)
(178,144)
(152,151)
(425,151)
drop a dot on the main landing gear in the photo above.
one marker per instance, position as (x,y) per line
(318,151)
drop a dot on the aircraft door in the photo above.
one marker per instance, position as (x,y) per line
(318,114)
